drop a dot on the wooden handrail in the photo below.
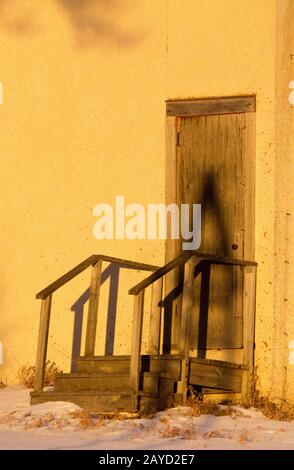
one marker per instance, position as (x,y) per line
(190,259)
(43,294)
(182,259)
(179,260)
(135,364)
(93,308)
(46,295)
(42,343)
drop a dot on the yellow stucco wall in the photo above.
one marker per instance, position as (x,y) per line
(282,369)
(83,120)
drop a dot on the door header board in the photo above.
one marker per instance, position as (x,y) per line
(228,105)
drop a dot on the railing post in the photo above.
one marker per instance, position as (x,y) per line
(93,309)
(42,343)
(135,366)
(248,331)
(155,317)
(187,305)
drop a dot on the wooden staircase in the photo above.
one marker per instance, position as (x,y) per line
(113,383)
(102,383)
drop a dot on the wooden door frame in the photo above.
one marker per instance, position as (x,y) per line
(176,109)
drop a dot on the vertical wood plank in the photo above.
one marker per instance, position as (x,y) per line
(249,185)
(172,247)
(248,330)
(171,133)
(93,309)
(135,365)
(42,343)
(202,317)
(185,323)
(155,317)
(187,303)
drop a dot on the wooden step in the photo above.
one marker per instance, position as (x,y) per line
(90,400)
(167,363)
(110,383)
(103,364)
(216,362)
(102,403)
(150,383)
(216,374)
(92,382)
(156,382)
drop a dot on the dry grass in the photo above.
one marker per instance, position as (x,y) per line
(87,420)
(38,423)
(170,431)
(84,418)
(26,374)
(42,421)
(206,407)
(79,419)
(188,432)
(8,418)
(121,415)
(212,435)
(279,410)
(245,437)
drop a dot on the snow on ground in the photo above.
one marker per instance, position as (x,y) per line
(63,425)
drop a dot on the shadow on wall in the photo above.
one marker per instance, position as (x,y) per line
(93,22)
(112,273)
(15,17)
(101,20)
(212,208)
(220,288)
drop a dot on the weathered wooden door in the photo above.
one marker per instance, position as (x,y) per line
(210,161)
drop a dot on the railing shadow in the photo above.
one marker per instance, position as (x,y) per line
(111,272)
(202,269)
